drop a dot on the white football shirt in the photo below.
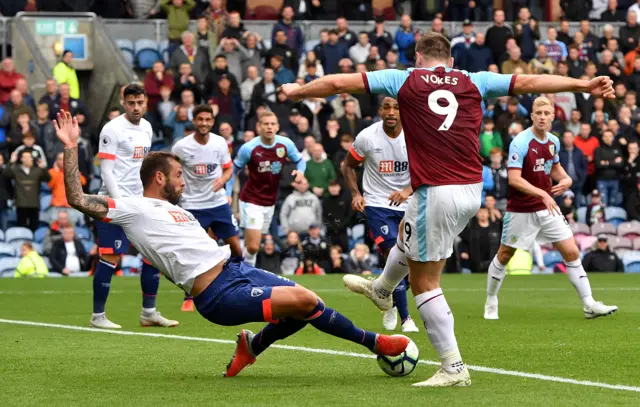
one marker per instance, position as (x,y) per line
(386,165)
(168,236)
(202,165)
(127,144)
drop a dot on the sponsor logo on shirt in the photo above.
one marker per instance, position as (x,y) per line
(391,166)
(140,152)
(204,169)
(181,217)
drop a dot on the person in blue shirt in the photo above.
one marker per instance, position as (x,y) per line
(404,38)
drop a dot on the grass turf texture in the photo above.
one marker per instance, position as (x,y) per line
(541,330)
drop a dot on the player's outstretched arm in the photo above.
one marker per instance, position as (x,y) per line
(68,132)
(326,86)
(601,86)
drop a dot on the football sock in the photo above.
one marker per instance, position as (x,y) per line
(400,300)
(394,272)
(250,258)
(188,297)
(495,277)
(149,281)
(578,278)
(333,323)
(101,285)
(274,332)
(438,321)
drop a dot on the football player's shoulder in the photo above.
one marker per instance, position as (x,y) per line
(554,139)
(285,141)
(114,126)
(182,144)
(144,123)
(370,132)
(218,142)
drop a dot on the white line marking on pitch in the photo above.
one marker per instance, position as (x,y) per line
(331,352)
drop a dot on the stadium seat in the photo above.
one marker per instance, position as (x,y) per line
(18,233)
(357,235)
(618,242)
(83,232)
(44,219)
(88,245)
(44,188)
(47,262)
(126,48)
(8,265)
(7,250)
(636,243)
(1,235)
(163,49)
(12,218)
(621,252)
(38,248)
(266,12)
(384,8)
(615,215)
(580,229)
(603,228)
(586,242)
(552,258)
(40,234)
(146,53)
(630,230)
(582,214)
(45,202)
(631,261)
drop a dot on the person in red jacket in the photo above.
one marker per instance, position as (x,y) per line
(8,79)
(156,78)
(587,143)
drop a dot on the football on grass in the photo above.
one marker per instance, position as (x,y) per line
(403,364)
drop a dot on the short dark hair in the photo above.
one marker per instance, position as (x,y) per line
(154,162)
(434,46)
(133,89)
(202,109)
(221,56)
(115,109)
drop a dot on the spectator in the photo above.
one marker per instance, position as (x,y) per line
(217,16)
(264,91)
(179,124)
(346,65)
(51,92)
(287,54)
(346,141)
(633,81)
(27,179)
(576,64)
(68,254)
(16,107)
(301,209)
(23,88)
(234,53)
(563,34)
(177,12)
(490,203)
(584,102)
(404,37)
(438,27)
(311,59)
(31,264)
(608,161)
(301,131)
(249,84)
(268,258)
(205,39)
(505,119)
(316,249)
(498,34)
(358,261)
(324,40)
(8,78)
(612,45)
(6,193)
(566,101)
(602,259)
(282,74)
(480,242)
(45,133)
(360,51)
(64,72)
(489,139)
(153,81)
(612,14)
(333,51)
(336,207)
(65,102)
(338,265)
(29,142)
(221,67)
(234,28)
(609,66)
(555,49)
(350,122)
(498,174)
(591,41)
(633,203)
(575,164)
(346,37)
(165,106)
(526,33)
(542,64)
(187,53)
(479,56)
(630,170)
(255,51)
(311,72)
(229,104)
(588,145)
(320,171)
(56,183)
(514,62)
(461,43)
(381,38)
(186,80)
(293,32)
(595,209)
(291,256)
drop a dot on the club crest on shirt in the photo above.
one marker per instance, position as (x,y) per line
(117,244)
(256,292)
(513,239)
(280,152)
(384,229)
(552,149)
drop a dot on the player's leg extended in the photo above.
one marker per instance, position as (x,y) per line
(495,277)
(111,240)
(149,282)
(252,220)
(578,278)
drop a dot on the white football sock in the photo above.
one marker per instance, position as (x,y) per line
(250,258)
(579,280)
(438,321)
(495,277)
(148,311)
(394,272)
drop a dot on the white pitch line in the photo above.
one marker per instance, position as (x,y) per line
(483,369)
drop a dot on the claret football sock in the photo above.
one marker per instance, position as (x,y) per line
(102,285)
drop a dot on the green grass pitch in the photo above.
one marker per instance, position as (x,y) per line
(541,331)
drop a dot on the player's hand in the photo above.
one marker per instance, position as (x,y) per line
(218,185)
(601,86)
(299,176)
(357,203)
(67,129)
(398,197)
(551,205)
(561,186)
(289,90)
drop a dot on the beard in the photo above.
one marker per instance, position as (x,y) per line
(171,194)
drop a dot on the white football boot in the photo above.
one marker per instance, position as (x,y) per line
(155,319)
(390,319)
(364,286)
(442,378)
(599,310)
(101,322)
(491,309)
(409,326)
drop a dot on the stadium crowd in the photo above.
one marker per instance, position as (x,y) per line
(315,230)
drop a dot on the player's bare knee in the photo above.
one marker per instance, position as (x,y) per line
(571,254)
(306,300)
(252,247)
(505,254)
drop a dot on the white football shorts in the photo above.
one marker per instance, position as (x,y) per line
(256,217)
(520,230)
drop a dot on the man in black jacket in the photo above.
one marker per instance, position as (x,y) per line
(27,179)
(498,34)
(68,254)
(629,34)
(602,259)
(381,38)
(480,242)
(316,249)
(337,212)
(608,160)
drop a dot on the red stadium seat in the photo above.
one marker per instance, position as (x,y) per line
(586,242)
(580,229)
(384,8)
(263,9)
(630,230)
(605,228)
(636,243)
(618,242)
